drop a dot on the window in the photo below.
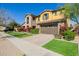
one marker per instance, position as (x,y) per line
(34,18)
(54,13)
(27,20)
(58,12)
(54,24)
(38,19)
(45,17)
(61,12)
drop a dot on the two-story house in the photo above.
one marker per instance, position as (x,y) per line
(50,21)
(29,21)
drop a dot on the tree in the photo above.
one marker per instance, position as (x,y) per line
(2,17)
(5,19)
(76,12)
(72,11)
(13,24)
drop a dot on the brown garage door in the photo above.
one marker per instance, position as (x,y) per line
(49,30)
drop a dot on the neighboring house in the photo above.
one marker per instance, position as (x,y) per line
(51,21)
(2,25)
(2,28)
(17,29)
(29,21)
(76,28)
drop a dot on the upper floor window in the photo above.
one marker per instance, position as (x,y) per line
(62,11)
(38,19)
(33,18)
(27,20)
(54,13)
(58,12)
(46,16)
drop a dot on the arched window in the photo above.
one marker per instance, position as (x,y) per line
(27,20)
(46,16)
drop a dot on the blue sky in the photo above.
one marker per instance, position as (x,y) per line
(18,10)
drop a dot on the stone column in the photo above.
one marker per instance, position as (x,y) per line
(58,28)
(68,22)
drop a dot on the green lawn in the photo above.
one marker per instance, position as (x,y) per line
(62,47)
(19,34)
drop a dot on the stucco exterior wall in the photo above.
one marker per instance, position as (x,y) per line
(32,22)
(41,16)
(53,17)
(30,18)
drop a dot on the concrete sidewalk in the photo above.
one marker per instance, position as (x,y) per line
(8,49)
(77,41)
(28,48)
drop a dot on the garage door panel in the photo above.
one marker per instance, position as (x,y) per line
(49,30)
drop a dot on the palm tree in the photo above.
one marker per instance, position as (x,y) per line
(72,11)
(76,12)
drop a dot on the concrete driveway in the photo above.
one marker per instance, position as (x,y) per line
(28,48)
(40,39)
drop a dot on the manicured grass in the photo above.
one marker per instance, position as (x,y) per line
(62,47)
(19,34)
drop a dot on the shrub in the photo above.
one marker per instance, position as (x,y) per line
(69,35)
(34,31)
